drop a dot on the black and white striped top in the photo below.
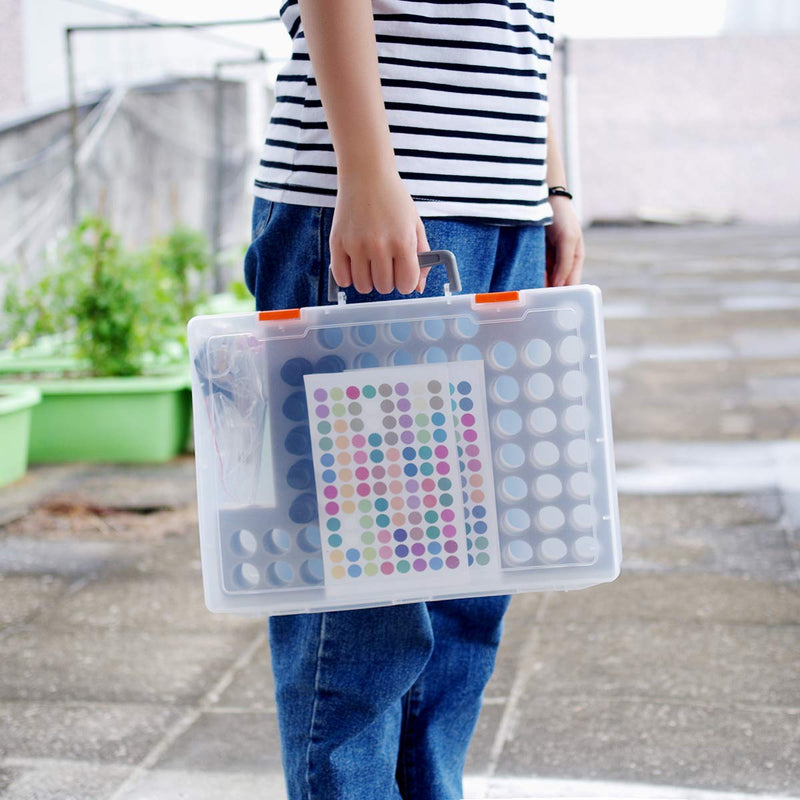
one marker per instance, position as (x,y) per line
(465,89)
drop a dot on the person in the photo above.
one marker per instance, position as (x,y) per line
(399,127)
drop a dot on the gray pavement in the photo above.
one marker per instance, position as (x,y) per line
(679,680)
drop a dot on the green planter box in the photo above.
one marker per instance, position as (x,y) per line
(16,406)
(126,420)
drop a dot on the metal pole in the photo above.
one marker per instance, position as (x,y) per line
(216,223)
(73,131)
(566,155)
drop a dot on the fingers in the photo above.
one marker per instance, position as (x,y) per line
(362,273)
(564,262)
(340,264)
(382,271)
(406,270)
(575,275)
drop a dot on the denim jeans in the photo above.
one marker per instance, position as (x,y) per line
(380,704)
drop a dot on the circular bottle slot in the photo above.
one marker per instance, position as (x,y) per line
(549,518)
(502,355)
(277,541)
(505,389)
(280,573)
(539,386)
(552,550)
(518,553)
(244,543)
(510,456)
(536,353)
(547,487)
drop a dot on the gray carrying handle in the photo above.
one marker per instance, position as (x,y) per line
(429,259)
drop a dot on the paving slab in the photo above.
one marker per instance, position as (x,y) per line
(681,744)
(143,602)
(760,553)
(193,785)
(66,558)
(62,780)
(224,741)
(22,596)
(682,513)
(252,688)
(680,597)
(102,733)
(115,666)
(754,665)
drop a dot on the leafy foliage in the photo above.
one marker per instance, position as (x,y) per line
(115,307)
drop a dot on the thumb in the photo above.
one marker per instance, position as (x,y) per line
(422,247)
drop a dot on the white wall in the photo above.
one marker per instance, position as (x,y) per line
(682,127)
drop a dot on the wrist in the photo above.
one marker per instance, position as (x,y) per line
(559,190)
(372,159)
(366,171)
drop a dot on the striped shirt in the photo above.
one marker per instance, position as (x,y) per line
(465,90)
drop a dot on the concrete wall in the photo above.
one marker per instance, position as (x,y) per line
(682,127)
(152,168)
(11,56)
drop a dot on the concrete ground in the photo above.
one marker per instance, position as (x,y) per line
(680,679)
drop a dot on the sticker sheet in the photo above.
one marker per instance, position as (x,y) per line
(387,474)
(470,420)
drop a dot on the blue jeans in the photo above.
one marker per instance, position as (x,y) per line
(380,704)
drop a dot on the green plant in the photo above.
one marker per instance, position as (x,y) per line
(183,252)
(111,306)
(239,290)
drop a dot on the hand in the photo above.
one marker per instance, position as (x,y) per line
(376,235)
(564,245)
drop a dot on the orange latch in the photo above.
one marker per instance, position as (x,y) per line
(284,313)
(496,297)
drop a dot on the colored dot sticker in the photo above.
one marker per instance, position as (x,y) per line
(369,392)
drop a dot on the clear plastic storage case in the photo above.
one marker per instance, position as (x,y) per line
(375,453)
